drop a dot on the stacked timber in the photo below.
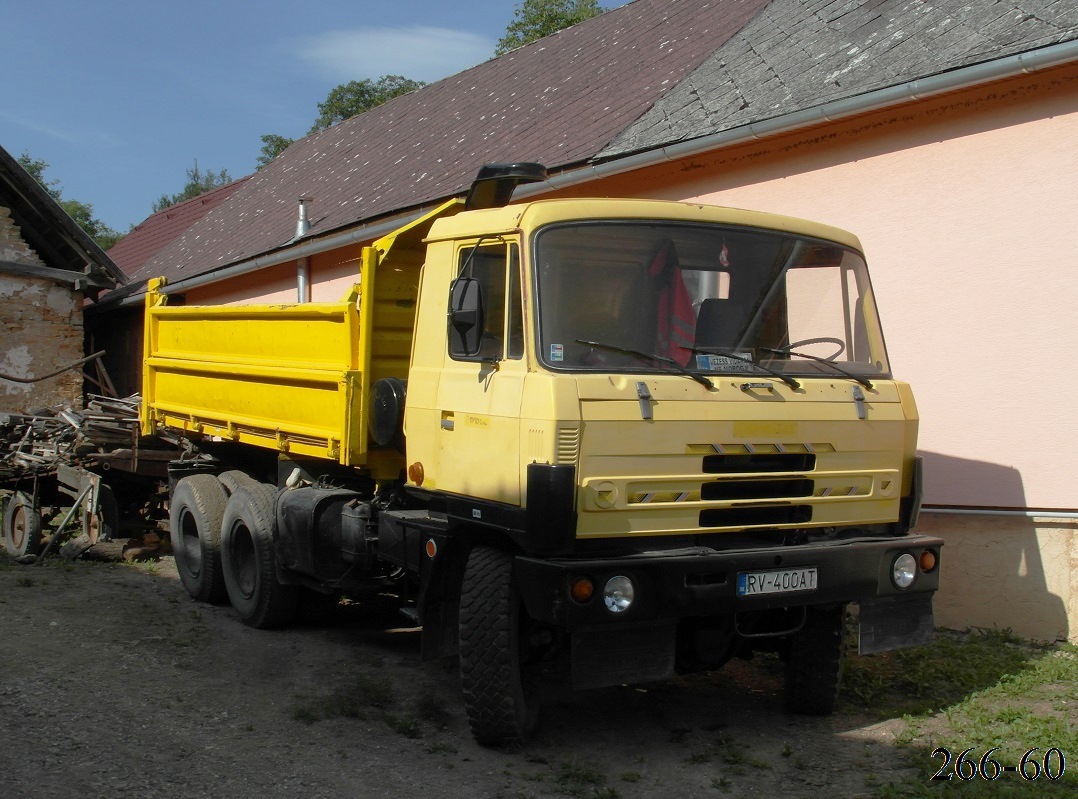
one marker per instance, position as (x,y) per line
(41,441)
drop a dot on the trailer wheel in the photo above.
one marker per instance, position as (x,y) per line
(814,665)
(104,525)
(249,559)
(501,709)
(22,526)
(198,506)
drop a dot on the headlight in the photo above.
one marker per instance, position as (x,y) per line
(904,570)
(618,594)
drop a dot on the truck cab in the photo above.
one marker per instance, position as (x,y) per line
(603,440)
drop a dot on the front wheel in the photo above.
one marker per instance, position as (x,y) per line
(249,560)
(501,709)
(814,664)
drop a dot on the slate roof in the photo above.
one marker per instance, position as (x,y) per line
(557,101)
(650,73)
(798,54)
(158,230)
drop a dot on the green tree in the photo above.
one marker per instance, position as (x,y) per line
(198,182)
(534,19)
(82,213)
(272,146)
(357,96)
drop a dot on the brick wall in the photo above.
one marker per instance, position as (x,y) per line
(40,331)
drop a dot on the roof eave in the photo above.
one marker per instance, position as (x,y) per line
(880,99)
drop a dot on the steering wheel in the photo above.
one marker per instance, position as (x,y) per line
(821,340)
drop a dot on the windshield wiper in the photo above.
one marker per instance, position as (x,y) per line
(644,356)
(864,381)
(784,378)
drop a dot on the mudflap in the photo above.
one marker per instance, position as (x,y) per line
(895,622)
(607,656)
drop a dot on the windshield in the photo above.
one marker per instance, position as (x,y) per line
(710,298)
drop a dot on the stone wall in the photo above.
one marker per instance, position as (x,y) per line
(40,331)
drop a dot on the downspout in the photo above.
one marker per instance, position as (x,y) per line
(303,280)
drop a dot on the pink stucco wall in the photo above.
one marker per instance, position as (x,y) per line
(967,209)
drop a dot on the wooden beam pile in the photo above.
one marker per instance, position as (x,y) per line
(39,443)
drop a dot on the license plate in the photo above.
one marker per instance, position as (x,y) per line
(781,581)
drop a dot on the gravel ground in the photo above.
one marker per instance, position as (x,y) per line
(114,683)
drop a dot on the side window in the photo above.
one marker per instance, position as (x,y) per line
(516,307)
(497,268)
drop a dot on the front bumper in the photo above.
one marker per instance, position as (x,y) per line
(703,582)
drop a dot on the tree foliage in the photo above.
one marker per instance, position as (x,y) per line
(272,146)
(198,182)
(82,213)
(534,19)
(357,96)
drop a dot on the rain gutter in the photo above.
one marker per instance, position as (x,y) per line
(352,236)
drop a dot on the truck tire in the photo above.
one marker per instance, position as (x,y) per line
(195,514)
(249,559)
(500,710)
(814,663)
(22,526)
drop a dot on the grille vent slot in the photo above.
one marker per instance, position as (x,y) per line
(568,445)
(747,517)
(756,489)
(759,462)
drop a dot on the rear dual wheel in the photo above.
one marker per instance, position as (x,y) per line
(195,515)
(249,560)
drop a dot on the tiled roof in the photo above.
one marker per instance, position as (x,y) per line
(798,54)
(155,233)
(558,101)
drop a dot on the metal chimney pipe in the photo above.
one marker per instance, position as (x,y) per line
(303,226)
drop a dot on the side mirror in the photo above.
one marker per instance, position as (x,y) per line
(466,317)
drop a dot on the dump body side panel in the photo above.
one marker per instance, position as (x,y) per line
(285,377)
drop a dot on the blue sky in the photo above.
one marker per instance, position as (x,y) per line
(121,97)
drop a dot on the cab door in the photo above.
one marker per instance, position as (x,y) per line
(479,393)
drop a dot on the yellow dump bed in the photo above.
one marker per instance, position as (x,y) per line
(288,377)
(296,378)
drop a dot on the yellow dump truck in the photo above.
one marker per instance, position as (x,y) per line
(599,440)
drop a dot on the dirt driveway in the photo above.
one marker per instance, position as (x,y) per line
(114,683)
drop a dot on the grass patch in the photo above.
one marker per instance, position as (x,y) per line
(374,697)
(575,778)
(986,693)
(921,679)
